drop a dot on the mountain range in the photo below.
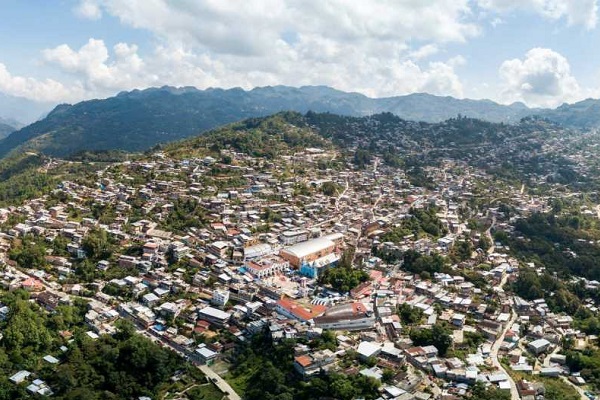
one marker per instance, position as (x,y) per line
(140,119)
(21,111)
(7,127)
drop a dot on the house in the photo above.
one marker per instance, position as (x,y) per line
(551,371)
(292,309)
(214,315)
(50,359)
(538,346)
(310,364)
(102,265)
(40,387)
(32,285)
(361,290)
(150,299)
(350,316)
(48,300)
(266,267)
(458,319)
(368,349)
(220,297)
(204,355)
(19,377)
(316,253)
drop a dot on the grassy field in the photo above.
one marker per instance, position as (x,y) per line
(204,392)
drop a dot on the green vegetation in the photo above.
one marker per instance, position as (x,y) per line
(362,158)
(419,263)
(28,175)
(344,277)
(409,315)
(259,137)
(186,213)
(329,188)
(264,370)
(481,392)
(438,336)
(327,340)
(555,389)
(560,244)
(422,222)
(28,253)
(587,362)
(461,250)
(122,366)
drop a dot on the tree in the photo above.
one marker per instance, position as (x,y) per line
(481,392)
(461,250)
(484,243)
(437,336)
(408,314)
(96,245)
(329,188)
(362,158)
(29,254)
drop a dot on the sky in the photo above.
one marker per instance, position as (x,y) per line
(540,52)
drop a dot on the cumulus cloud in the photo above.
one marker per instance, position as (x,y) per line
(543,78)
(252,26)
(47,90)
(576,12)
(91,63)
(354,46)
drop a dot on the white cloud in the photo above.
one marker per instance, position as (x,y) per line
(99,74)
(425,51)
(47,90)
(250,27)
(88,9)
(576,12)
(353,46)
(543,78)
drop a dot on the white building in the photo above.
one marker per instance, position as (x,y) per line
(220,297)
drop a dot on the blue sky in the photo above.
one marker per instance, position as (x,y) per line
(541,52)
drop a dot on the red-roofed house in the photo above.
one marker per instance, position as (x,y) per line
(32,285)
(291,309)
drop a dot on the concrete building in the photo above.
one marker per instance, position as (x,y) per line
(214,315)
(292,309)
(538,346)
(350,317)
(315,255)
(220,297)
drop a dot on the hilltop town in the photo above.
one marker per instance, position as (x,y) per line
(408,285)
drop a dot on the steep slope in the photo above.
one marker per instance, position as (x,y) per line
(137,120)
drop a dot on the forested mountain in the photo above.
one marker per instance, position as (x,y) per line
(137,120)
(584,114)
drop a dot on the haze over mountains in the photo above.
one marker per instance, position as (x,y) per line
(137,120)
(6,127)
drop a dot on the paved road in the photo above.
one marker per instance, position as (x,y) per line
(577,388)
(514,393)
(546,362)
(220,382)
(488,233)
